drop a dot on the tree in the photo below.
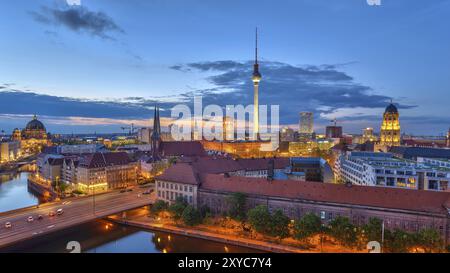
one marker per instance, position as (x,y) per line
(276,224)
(205,211)
(177,208)
(191,216)
(236,203)
(279,225)
(62,186)
(342,230)
(159,206)
(259,218)
(307,226)
(397,241)
(429,239)
(372,230)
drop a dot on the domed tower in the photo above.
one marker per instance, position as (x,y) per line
(256,78)
(390,128)
(448,138)
(16,135)
(34,130)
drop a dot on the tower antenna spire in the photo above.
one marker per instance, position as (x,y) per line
(256,45)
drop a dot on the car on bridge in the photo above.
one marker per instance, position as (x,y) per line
(30,219)
(8,225)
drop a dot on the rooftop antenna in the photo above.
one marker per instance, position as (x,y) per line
(256,46)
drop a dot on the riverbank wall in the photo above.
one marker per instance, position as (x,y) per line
(45,191)
(221,238)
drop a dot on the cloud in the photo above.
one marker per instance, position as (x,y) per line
(324,90)
(79,19)
(18,102)
(321,89)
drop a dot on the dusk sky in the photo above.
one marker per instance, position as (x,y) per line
(103,64)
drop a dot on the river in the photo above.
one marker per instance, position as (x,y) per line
(14,193)
(99,236)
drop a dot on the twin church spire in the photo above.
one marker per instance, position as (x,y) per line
(156,135)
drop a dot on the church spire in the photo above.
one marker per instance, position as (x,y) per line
(156,124)
(156,135)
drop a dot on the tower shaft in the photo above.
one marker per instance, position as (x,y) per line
(256,109)
(256,78)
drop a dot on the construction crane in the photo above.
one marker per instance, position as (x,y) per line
(334,122)
(131,129)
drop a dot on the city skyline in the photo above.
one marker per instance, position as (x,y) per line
(92,67)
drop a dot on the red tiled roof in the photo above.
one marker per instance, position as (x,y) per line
(216,165)
(224,165)
(182,148)
(181,173)
(100,160)
(263,163)
(415,200)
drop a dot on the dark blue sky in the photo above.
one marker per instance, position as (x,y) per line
(103,64)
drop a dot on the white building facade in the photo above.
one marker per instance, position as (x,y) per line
(382,169)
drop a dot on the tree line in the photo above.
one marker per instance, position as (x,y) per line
(277,225)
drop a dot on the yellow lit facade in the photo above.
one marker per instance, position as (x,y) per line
(390,128)
(33,137)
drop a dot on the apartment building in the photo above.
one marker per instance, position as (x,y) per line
(383,169)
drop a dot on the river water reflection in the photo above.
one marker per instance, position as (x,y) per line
(14,193)
(99,236)
(105,237)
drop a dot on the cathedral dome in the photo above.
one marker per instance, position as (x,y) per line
(35,124)
(391,109)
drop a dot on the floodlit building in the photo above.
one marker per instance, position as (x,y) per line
(368,135)
(103,171)
(448,138)
(33,137)
(390,127)
(9,151)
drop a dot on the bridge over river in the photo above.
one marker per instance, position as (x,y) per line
(77,211)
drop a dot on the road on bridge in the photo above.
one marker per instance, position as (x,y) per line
(76,211)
